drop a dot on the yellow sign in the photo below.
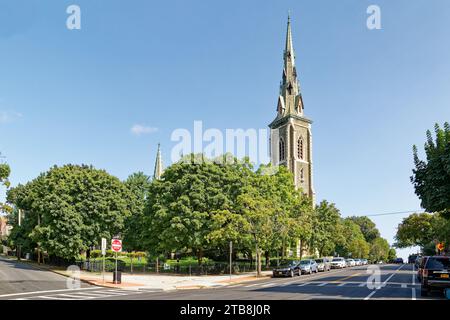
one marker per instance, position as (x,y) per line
(440,246)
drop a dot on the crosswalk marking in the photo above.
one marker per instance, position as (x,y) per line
(323,284)
(84,295)
(304,284)
(342,284)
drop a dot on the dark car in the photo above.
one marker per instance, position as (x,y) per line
(412,258)
(323,264)
(289,270)
(398,260)
(435,274)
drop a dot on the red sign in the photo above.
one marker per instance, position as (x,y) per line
(116,245)
(440,246)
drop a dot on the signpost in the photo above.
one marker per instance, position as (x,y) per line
(231,251)
(116,246)
(104,256)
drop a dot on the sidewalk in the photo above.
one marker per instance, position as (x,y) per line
(162,282)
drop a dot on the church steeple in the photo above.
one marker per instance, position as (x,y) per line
(290,100)
(158,165)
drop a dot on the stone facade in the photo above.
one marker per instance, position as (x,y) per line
(290,137)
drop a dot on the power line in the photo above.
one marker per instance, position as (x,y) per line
(392,213)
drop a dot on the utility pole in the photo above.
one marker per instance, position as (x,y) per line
(20,223)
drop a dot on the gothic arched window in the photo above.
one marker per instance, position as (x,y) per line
(282,150)
(300,148)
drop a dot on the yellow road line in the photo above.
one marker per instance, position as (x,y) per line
(345,278)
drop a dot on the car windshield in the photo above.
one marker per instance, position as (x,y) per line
(319,260)
(305,262)
(337,259)
(438,263)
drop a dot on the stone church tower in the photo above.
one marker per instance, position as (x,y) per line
(290,134)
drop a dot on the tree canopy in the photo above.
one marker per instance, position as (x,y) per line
(69,209)
(431,177)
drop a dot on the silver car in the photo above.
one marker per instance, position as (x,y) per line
(323,264)
(308,266)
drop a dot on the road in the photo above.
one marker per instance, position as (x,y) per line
(22,282)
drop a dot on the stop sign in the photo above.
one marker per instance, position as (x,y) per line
(116,245)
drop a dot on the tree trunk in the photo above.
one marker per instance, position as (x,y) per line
(199,256)
(267,253)
(301,249)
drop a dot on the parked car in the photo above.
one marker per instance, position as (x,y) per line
(323,264)
(358,262)
(422,262)
(364,262)
(398,260)
(350,262)
(338,263)
(308,266)
(435,274)
(289,270)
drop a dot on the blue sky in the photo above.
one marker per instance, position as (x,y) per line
(72,96)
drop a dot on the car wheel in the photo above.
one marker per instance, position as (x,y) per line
(292,273)
(310,271)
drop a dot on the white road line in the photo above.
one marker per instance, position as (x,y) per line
(404,286)
(46,291)
(413,294)
(78,297)
(323,284)
(252,285)
(110,293)
(362,284)
(342,284)
(304,284)
(384,283)
(52,298)
(268,285)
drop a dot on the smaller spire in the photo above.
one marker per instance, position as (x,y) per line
(158,165)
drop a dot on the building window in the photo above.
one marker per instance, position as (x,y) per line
(282,150)
(300,148)
(302,176)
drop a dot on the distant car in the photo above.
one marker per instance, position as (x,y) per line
(435,274)
(380,262)
(308,266)
(412,258)
(398,260)
(338,263)
(323,264)
(350,262)
(422,263)
(289,270)
(364,262)
(358,262)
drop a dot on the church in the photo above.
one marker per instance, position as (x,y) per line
(290,131)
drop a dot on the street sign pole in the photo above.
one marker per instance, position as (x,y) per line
(116,267)
(104,257)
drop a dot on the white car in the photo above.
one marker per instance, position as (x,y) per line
(350,262)
(338,263)
(358,262)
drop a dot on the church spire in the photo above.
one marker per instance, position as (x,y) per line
(158,165)
(290,101)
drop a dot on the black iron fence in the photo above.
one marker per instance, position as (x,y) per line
(216,268)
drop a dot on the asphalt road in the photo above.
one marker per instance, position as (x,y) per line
(23,282)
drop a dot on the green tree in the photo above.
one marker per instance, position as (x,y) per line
(350,240)
(139,185)
(69,208)
(392,254)
(324,228)
(368,227)
(185,207)
(5,171)
(431,178)
(379,250)
(415,230)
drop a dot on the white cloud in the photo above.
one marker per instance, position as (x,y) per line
(138,129)
(6,116)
